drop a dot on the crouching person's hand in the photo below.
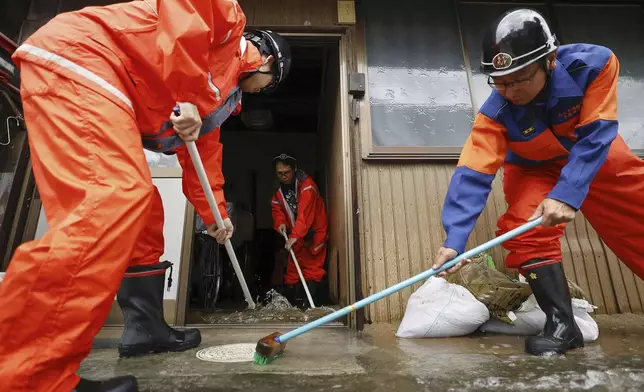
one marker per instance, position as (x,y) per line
(443,256)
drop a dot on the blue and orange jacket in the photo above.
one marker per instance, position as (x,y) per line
(577,122)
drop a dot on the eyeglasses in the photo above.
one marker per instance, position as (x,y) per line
(516,83)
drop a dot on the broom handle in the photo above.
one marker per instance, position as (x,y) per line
(299,271)
(205,184)
(423,275)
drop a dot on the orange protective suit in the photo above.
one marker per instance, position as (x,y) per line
(612,207)
(309,228)
(97,86)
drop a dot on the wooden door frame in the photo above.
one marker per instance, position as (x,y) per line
(347,167)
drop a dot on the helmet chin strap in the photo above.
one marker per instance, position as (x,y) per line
(248,74)
(545,66)
(543,94)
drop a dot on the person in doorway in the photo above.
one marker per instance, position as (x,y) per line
(97,85)
(298,211)
(551,122)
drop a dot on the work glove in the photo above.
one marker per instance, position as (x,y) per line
(221,235)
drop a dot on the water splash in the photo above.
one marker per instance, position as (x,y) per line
(611,379)
(275,309)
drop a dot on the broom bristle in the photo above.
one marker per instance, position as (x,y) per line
(268,349)
(262,360)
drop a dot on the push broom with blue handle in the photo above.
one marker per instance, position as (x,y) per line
(205,184)
(272,346)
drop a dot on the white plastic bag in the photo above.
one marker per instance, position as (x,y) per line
(441,309)
(530,320)
(588,326)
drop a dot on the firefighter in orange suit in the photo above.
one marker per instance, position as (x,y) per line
(551,122)
(98,86)
(298,209)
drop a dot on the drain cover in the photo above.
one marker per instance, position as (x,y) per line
(240,352)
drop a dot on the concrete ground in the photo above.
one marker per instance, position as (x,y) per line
(334,359)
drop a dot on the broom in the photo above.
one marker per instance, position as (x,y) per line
(205,184)
(272,346)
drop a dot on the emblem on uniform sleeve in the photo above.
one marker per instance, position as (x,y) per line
(528,131)
(501,61)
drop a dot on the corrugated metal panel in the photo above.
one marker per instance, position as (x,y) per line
(402,231)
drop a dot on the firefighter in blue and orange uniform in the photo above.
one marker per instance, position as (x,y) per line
(551,122)
(98,86)
(298,210)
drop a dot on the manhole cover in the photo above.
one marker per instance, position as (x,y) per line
(241,352)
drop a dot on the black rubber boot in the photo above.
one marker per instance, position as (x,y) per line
(117,384)
(141,300)
(300,299)
(549,285)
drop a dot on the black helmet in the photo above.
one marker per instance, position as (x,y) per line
(271,43)
(514,40)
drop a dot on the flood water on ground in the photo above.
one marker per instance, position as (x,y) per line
(274,309)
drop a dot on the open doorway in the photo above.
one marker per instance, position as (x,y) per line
(302,118)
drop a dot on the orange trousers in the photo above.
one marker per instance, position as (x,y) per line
(103,214)
(613,207)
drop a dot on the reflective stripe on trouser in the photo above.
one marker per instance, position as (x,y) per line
(312,265)
(613,207)
(96,187)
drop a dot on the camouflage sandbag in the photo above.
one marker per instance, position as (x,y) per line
(500,293)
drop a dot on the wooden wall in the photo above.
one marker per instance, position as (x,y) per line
(258,13)
(290,12)
(402,231)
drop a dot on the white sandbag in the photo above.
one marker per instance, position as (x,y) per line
(530,319)
(441,309)
(588,326)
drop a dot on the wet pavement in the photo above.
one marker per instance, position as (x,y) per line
(335,359)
